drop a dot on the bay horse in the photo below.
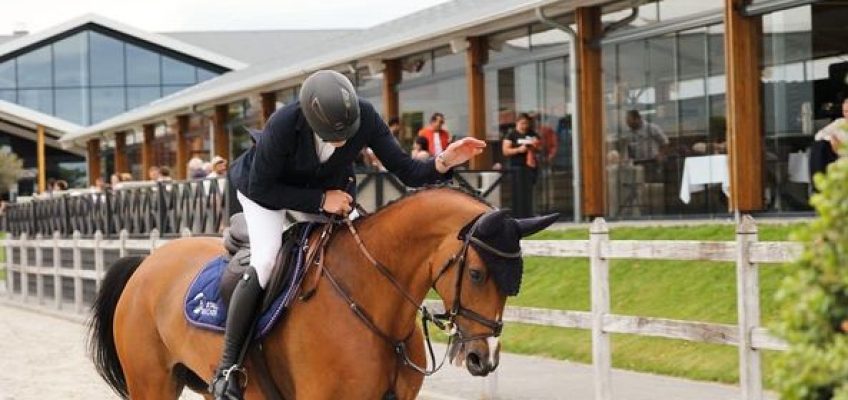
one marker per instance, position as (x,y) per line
(144,348)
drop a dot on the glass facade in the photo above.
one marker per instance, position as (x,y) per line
(90,76)
(665,109)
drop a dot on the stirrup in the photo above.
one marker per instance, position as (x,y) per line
(235,368)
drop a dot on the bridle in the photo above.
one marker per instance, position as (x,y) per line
(443,321)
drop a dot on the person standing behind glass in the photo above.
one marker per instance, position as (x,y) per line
(520,147)
(437,136)
(645,141)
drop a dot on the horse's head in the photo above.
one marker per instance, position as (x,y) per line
(476,281)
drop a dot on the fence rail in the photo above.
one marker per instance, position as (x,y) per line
(29,270)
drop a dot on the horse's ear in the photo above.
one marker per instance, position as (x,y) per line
(492,222)
(529,226)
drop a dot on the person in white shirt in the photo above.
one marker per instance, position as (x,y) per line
(837,131)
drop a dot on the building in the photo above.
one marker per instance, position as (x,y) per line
(737,88)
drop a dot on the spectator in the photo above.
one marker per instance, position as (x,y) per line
(825,148)
(125,177)
(219,168)
(644,143)
(521,148)
(195,168)
(153,173)
(437,137)
(60,185)
(394,128)
(419,148)
(164,174)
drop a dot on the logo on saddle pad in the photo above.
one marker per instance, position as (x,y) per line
(205,307)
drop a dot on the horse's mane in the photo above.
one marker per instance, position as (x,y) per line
(426,189)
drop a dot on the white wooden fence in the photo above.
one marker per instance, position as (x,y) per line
(745,251)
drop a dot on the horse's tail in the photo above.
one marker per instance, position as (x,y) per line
(101,339)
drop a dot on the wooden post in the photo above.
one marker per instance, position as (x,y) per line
(391,78)
(742,43)
(39,263)
(78,306)
(269,105)
(99,268)
(41,159)
(23,267)
(93,159)
(147,155)
(182,147)
(121,153)
(476,56)
(57,277)
(601,354)
(748,310)
(589,30)
(219,128)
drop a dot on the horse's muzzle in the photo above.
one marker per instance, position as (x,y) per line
(479,364)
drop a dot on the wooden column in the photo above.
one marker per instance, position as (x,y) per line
(147,154)
(269,105)
(93,159)
(121,153)
(476,56)
(221,136)
(391,77)
(182,146)
(41,158)
(589,29)
(742,43)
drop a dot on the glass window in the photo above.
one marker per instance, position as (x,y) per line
(171,89)
(137,96)
(509,44)
(7,74)
(176,72)
(204,74)
(71,61)
(449,96)
(34,69)
(36,99)
(106,103)
(447,60)
(142,66)
(8,95)
(72,104)
(107,60)
(543,37)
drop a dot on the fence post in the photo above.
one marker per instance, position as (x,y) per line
(57,277)
(39,263)
(122,243)
(185,232)
(23,267)
(601,355)
(9,264)
(98,259)
(154,239)
(78,307)
(748,310)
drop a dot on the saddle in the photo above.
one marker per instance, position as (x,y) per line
(237,243)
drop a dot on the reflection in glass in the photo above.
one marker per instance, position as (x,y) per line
(8,95)
(71,61)
(176,72)
(34,67)
(203,74)
(36,99)
(107,60)
(72,104)
(142,66)
(137,96)
(7,75)
(106,102)
(418,104)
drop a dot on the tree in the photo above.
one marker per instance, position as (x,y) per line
(10,170)
(813,300)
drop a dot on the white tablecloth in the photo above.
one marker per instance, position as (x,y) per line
(701,171)
(799,167)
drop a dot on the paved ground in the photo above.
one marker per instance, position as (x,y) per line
(42,357)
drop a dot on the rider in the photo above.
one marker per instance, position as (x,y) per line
(302,163)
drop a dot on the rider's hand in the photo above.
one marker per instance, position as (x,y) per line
(337,202)
(459,152)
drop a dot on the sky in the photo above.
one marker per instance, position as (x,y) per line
(193,15)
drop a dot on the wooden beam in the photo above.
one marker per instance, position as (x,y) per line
(41,158)
(147,154)
(742,43)
(589,30)
(477,55)
(182,146)
(121,153)
(219,128)
(93,160)
(269,105)
(391,78)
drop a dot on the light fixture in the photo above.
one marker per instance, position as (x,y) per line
(458,45)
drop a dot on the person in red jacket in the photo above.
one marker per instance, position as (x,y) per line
(437,136)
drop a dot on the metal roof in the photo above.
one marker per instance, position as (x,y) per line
(258,46)
(441,21)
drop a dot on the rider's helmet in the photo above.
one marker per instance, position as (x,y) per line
(330,105)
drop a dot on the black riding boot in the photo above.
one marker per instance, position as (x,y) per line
(241,318)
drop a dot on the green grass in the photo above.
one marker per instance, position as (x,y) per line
(702,291)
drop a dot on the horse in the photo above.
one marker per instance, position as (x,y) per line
(144,348)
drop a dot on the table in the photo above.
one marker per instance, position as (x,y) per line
(698,172)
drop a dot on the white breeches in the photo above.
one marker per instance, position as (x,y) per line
(265,228)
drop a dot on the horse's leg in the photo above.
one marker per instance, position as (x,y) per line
(409,381)
(148,375)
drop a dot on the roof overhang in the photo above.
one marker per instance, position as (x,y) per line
(24,122)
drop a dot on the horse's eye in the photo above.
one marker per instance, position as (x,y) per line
(476,275)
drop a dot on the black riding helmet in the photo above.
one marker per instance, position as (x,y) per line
(330,105)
